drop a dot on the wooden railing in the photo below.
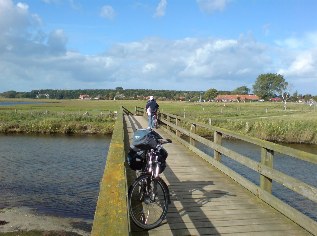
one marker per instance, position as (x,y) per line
(111,215)
(139,111)
(176,126)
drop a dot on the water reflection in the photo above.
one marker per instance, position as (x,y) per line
(56,175)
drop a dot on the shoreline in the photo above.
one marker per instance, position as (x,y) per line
(23,219)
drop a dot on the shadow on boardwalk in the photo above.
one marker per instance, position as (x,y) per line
(185,216)
(186,208)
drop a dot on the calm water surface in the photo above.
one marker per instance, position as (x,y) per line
(55,175)
(17,103)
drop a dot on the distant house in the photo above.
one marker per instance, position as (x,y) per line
(43,95)
(237,98)
(84,96)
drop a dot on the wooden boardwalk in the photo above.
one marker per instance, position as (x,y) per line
(207,202)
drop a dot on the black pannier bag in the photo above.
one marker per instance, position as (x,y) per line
(145,139)
(136,159)
(162,155)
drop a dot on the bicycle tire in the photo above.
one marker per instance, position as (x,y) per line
(148,210)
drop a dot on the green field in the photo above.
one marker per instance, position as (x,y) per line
(60,116)
(265,120)
(270,121)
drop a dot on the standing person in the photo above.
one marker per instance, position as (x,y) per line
(151,108)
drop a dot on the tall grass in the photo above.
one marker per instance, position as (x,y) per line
(298,123)
(269,121)
(63,116)
(52,122)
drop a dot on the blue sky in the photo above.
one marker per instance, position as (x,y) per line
(156,44)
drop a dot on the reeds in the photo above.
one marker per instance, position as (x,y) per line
(56,122)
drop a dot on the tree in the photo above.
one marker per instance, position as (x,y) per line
(269,85)
(241,90)
(9,94)
(210,94)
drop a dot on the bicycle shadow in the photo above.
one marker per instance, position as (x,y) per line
(187,200)
(185,214)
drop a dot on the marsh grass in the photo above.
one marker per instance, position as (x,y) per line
(63,116)
(269,121)
(265,120)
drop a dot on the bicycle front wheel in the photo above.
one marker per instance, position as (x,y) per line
(148,201)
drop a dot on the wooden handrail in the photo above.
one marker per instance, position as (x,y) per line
(172,124)
(139,111)
(305,156)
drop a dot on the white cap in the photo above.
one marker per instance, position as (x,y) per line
(151,97)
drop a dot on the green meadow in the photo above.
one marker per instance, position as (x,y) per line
(266,120)
(60,116)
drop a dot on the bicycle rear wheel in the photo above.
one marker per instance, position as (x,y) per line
(148,201)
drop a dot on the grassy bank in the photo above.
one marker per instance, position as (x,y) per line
(269,121)
(296,124)
(40,233)
(60,117)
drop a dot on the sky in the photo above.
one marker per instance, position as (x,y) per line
(191,45)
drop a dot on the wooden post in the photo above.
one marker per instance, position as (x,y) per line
(169,120)
(217,140)
(267,160)
(177,124)
(192,130)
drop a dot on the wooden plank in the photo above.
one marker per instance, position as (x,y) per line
(204,201)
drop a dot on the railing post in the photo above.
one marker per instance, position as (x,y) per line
(168,118)
(217,140)
(177,123)
(267,160)
(192,130)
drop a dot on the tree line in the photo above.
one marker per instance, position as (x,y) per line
(266,86)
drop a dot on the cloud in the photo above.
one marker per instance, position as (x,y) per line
(107,12)
(210,6)
(11,14)
(297,60)
(57,41)
(161,8)
(32,59)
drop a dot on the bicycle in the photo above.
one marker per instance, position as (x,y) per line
(154,120)
(148,195)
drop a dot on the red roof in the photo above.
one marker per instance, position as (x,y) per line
(237,96)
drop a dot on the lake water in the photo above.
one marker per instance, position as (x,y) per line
(17,103)
(54,175)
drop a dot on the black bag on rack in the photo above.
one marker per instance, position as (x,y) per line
(145,139)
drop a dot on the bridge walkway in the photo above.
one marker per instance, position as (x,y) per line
(207,202)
